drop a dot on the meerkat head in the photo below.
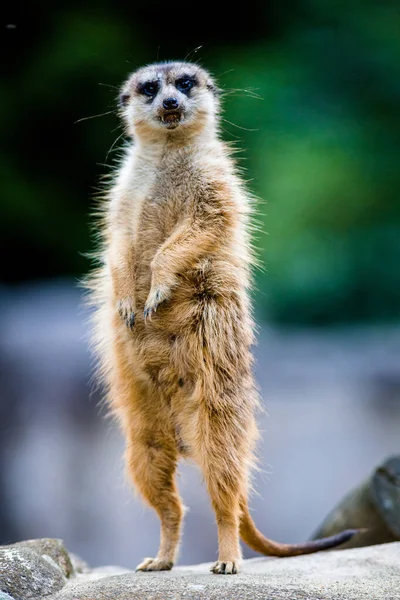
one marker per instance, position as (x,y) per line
(169,99)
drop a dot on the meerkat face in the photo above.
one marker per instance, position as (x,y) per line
(168,96)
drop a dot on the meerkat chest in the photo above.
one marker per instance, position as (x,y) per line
(166,199)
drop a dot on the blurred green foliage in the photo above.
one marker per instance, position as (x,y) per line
(321,142)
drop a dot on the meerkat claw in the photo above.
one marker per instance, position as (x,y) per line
(154,564)
(126,312)
(153,302)
(130,321)
(224,568)
(148,312)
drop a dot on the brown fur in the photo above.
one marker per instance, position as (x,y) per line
(172,322)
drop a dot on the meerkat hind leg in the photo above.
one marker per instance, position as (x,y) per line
(151,461)
(227,516)
(224,477)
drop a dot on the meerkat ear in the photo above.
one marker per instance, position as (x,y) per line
(124,99)
(213,88)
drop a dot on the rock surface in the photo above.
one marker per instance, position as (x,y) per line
(33,569)
(373,506)
(370,573)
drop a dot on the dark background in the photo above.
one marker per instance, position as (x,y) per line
(312,96)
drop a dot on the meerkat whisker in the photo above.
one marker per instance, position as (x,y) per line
(113,87)
(239,126)
(113,145)
(110,112)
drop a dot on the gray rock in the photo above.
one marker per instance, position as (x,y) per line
(371,573)
(56,550)
(42,569)
(35,568)
(373,506)
(78,564)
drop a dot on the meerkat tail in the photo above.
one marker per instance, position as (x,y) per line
(256,540)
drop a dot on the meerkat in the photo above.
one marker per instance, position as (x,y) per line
(173,325)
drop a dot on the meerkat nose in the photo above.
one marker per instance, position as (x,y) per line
(170,103)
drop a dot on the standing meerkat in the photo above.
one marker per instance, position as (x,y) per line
(173,324)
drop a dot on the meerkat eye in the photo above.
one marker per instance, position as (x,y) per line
(150,88)
(185,84)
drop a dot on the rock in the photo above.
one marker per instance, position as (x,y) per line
(33,568)
(108,571)
(42,570)
(371,573)
(78,565)
(56,550)
(374,505)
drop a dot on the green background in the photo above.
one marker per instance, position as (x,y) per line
(313,95)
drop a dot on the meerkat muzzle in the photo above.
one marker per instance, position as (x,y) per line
(171,118)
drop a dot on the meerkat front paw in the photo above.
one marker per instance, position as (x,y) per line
(157,295)
(225,568)
(126,311)
(154,564)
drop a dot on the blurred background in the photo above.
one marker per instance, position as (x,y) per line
(312,99)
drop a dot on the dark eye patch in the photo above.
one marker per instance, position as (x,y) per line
(149,88)
(212,88)
(184,84)
(124,99)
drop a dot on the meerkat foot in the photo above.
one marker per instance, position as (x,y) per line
(155,564)
(155,298)
(225,568)
(126,312)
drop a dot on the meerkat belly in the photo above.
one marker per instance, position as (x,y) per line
(200,313)
(205,306)
(152,340)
